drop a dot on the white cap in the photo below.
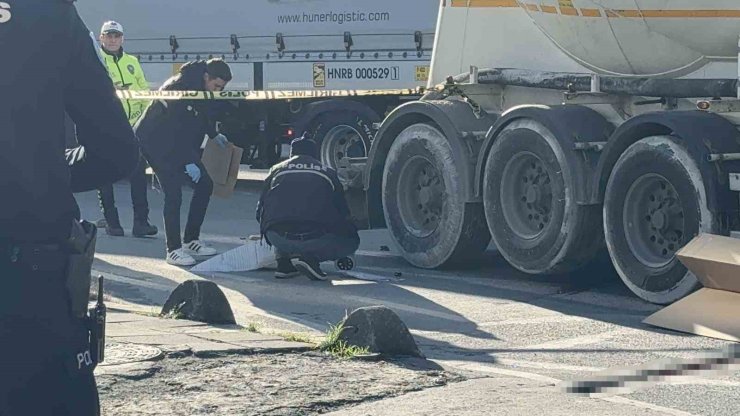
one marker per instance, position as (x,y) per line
(111,26)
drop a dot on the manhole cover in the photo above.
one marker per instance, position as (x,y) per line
(116,353)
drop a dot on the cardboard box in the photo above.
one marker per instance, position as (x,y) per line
(222,165)
(715,260)
(714,310)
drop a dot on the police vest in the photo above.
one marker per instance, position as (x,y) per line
(126,74)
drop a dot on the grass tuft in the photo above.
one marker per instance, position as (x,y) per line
(337,347)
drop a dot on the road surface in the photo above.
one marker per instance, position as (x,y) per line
(487,318)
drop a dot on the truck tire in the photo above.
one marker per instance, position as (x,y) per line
(528,195)
(341,134)
(655,203)
(423,203)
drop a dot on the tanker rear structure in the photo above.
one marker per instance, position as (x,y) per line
(577,128)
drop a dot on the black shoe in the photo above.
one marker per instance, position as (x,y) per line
(144,229)
(285,269)
(114,231)
(112,223)
(309,267)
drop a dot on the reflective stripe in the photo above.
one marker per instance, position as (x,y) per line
(315,172)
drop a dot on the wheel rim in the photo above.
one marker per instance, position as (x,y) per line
(526,195)
(421,196)
(340,142)
(653,220)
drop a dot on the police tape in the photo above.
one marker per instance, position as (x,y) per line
(260,95)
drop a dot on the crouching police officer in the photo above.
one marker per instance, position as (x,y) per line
(46,367)
(303,213)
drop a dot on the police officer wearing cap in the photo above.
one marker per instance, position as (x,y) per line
(303,213)
(126,73)
(44,346)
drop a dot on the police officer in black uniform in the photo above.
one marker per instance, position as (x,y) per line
(49,65)
(303,213)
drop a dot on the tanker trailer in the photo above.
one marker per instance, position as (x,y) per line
(577,126)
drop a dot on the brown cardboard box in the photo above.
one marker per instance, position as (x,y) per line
(714,310)
(222,165)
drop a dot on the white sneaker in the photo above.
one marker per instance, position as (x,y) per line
(180,257)
(199,248)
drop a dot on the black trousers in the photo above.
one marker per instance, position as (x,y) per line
(138,196)
(172,179)
(323,248)
(45,366)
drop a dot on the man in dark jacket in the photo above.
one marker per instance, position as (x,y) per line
(171,134)
(41,338)
(303,213)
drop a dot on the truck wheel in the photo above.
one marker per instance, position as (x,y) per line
(655,203)
(340,135)
(528,195)
(423,201)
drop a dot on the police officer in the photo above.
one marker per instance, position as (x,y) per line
(126,73)
(303,213)
(41,340)
(171,134)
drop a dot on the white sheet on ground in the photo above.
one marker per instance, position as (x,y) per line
(253,255)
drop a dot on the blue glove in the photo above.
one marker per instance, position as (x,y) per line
(193,171)
(221,140)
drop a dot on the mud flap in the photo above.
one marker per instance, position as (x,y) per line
(713,310)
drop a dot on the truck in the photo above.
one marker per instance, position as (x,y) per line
(563,130)
(287,45)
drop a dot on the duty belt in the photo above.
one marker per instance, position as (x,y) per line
(36,256)
(310,235)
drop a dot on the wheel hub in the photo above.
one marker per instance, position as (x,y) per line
(526,195)
(421,196)
(340,142)
(653,220)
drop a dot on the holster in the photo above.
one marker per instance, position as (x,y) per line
(81,246)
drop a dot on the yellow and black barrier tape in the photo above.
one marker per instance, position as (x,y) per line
(259,95)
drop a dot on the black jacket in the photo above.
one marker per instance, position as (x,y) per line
(300,192)
(172,131)
(38,82)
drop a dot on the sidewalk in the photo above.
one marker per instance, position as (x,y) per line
(138,343)
(135,335)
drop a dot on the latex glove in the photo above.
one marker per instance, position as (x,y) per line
(221,140)
(193,171)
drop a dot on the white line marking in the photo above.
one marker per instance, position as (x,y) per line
(407,308)
(386,254)
(546,365)
(554,381)
(644,405)
(138,282)
(574,342)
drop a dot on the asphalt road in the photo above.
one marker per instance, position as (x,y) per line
(486,318)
